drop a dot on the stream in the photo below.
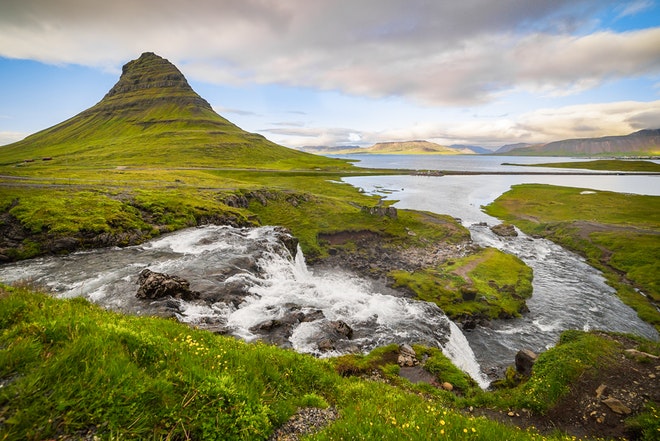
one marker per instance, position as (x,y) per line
(568,293)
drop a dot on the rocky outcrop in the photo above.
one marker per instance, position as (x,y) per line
(381,211)
(504,230)
(156,286)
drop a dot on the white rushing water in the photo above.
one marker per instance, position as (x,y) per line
(276,286)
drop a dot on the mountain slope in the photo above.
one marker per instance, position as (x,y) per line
(643,142)
(153,117)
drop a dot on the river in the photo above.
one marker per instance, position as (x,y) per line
(568,293)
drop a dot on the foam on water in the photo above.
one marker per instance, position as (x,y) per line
(109,277)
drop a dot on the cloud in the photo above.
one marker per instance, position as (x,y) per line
(634,8)
(539,126)
(439,53)
(7,137)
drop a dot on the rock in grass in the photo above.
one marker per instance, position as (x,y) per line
(525,360)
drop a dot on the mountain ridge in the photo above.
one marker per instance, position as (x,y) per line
(646,141)
(153,117)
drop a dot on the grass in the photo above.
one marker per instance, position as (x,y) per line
(617,233)
(605,164)
(576,354)
(70,368)
(489,284)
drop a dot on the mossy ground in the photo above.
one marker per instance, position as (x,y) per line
(618,233)
(69,368)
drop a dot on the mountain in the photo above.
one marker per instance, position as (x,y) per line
(414,148)
(641,143)
(474,148)
(508,147)
(152,117)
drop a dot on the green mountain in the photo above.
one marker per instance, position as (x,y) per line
(641,143)
(152,117)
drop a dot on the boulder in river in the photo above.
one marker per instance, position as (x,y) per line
(504,230)
(155,286)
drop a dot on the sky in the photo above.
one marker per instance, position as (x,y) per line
(350,72)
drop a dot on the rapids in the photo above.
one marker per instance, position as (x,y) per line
(272,294)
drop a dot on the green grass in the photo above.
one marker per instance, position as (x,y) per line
(604,164)
(576,355)
(618,233)
(489,284)
(69,367)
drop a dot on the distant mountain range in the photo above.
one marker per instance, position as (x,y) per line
(417,147)
(641,143)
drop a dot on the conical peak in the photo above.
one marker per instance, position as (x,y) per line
(153,74)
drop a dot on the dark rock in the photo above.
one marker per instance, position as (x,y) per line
(157,286)
(313,316)
(381,211)
(504,230)
(287,239)
(525,360)
(236,201)
(326,345)
(64,244)
(469,293)
(341,328)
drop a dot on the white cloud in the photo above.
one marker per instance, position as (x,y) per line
(634,7)
(7,137)
(440,53)
(542,125)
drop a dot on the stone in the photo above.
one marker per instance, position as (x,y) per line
(600,391)
(155,286)
(617,406)
(504,230)
(407,356)
(341,328)
(525,360)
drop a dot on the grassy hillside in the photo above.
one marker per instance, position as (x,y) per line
(70,370)
(152,117)
(618,233)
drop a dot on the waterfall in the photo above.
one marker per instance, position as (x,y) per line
(458,350)
(253,289)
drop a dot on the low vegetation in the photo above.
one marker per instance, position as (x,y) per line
(605,165)
(487,285)
(71,369)
(618,233)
